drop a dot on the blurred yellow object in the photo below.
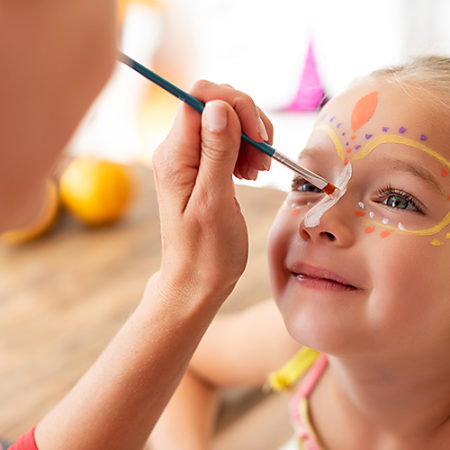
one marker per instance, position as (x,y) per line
(43,222)
(96,191)
(122,6)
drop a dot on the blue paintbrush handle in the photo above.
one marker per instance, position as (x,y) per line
(160,81)
(184,96)
(195,103)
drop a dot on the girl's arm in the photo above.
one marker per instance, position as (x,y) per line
(238,349)
(244,347)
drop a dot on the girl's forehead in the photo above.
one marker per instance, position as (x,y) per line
(375,113)
(368,103)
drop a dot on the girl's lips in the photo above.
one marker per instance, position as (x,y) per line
(321,278)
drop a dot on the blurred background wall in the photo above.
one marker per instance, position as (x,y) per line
(258,46)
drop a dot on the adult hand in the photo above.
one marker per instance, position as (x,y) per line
(204,236)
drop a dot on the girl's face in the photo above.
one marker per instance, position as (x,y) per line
(374,274)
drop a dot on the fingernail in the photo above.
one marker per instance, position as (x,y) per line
(215,116)
(252,173)
(267,163)
(262,129)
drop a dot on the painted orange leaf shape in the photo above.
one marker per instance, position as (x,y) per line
(364,109)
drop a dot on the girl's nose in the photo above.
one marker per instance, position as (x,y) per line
(335,227)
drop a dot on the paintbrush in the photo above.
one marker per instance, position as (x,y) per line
(193,102)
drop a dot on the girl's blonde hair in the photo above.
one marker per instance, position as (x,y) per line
(427,74)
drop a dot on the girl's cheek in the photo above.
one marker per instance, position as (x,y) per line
(282,227)
(285,227)
(276,231)
(280,236)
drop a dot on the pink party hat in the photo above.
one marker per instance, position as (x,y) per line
(310,91)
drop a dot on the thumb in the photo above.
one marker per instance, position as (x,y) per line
(221,140)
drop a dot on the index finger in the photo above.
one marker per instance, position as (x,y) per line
(254,122)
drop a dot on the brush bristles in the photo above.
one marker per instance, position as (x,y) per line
(329,188)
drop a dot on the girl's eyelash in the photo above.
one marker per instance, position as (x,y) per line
(299,181)
(388,190)
(296,181)
(384,193)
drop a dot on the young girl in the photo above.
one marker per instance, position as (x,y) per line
(361,278)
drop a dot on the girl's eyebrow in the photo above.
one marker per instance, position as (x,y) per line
(416,170)
(309,151)
(394,163)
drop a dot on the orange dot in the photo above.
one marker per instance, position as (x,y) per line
(349,150)
(353,137)
(295,212)
(360,213)
(345,161)
(369,230)
(444,172)
(385,233)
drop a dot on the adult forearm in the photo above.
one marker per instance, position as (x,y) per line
(117,403)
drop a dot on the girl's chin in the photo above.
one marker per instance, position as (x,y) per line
(321,330)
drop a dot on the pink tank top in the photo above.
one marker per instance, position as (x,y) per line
(307,438)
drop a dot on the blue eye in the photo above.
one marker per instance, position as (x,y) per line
(299,184)
(398,199)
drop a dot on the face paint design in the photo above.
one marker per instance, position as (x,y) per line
(313,216)
(363,110)
(388,226)
(350,147)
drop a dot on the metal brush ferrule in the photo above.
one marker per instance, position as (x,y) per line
(313,178)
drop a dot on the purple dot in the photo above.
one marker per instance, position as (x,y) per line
(346,144)
(401,130)
(357,147)
(334,117)
(385,129)
(423,137)
(368,136)
(343,134)
(338,125)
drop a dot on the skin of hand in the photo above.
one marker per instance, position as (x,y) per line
(196,191)
(204,251)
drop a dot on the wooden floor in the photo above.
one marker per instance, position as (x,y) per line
(64,296)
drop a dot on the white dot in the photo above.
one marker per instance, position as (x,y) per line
(361,205)
(371,215)
(401,226)
(385,221)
